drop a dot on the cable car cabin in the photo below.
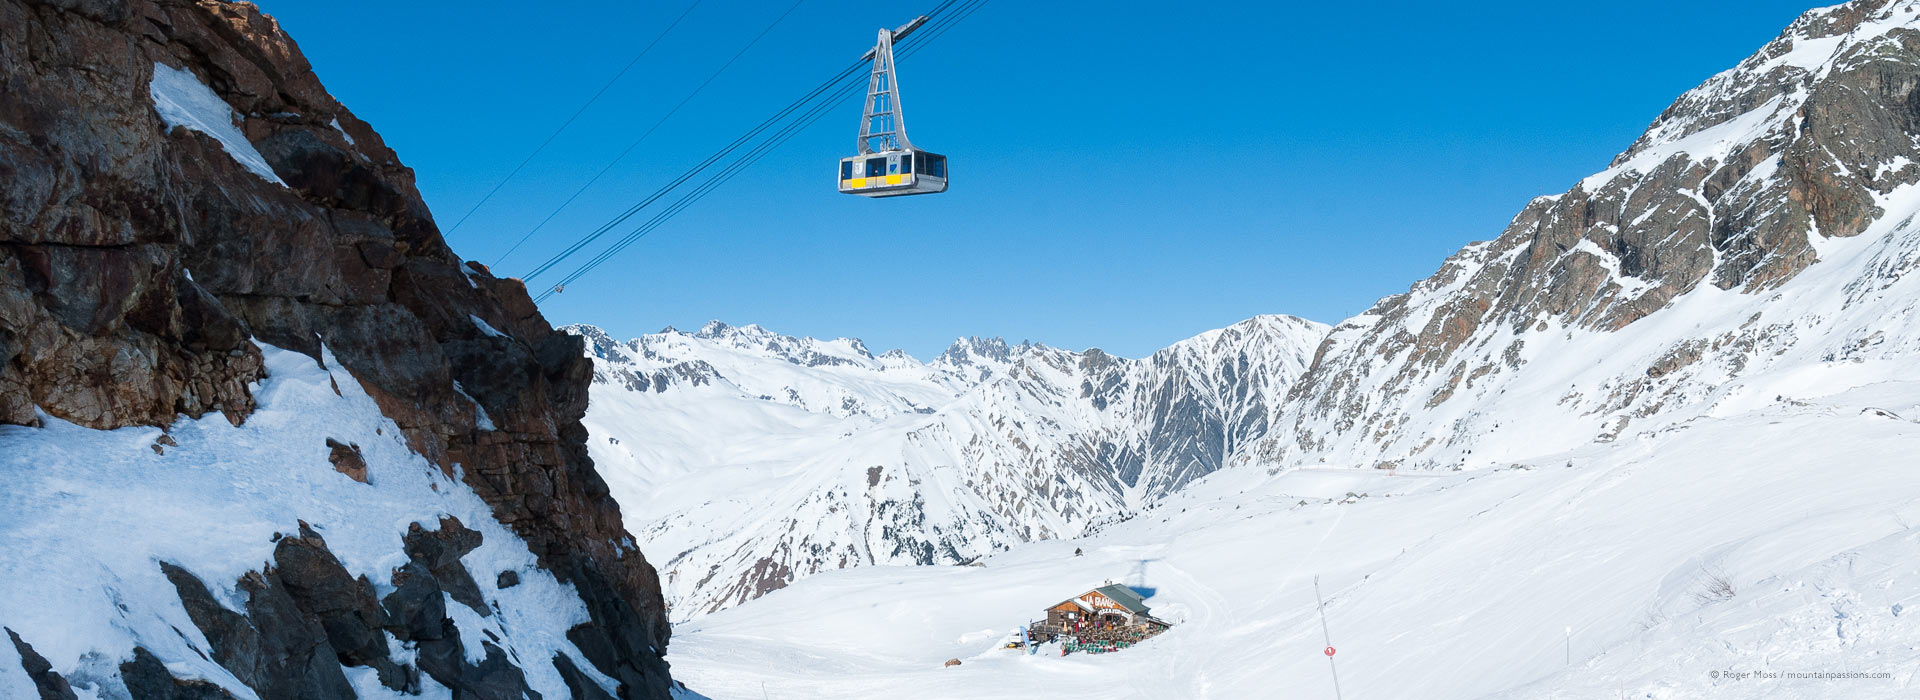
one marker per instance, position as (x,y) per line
(888,165)
(894,174)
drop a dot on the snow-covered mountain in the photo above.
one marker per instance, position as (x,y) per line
(754,458)
(1756,240)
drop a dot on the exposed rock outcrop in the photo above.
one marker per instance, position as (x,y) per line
(147,678)
(139,261)
(306,618)
(439,552)
(49,684)
(344,606)
(275,648)
(346,459)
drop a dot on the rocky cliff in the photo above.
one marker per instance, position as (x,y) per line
(179,198)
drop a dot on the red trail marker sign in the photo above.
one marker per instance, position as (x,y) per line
(1329,651)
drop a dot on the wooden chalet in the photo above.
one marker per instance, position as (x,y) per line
(1107,618)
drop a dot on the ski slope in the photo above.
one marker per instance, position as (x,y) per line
(1441,586)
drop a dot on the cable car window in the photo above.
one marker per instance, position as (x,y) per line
(876,167)
(846,170)
(937,165)
(906,163)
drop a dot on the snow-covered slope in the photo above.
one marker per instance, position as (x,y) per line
(1439,585)
(753,458)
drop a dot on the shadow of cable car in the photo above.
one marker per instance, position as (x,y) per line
(1138,580)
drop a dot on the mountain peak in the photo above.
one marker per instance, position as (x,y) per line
(967,350)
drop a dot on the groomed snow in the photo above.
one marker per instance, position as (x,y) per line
(182,100)
(1440,586)
(86,516)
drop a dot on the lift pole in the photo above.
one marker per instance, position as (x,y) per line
(1328,637)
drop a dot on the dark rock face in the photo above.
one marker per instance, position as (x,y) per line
(276,648)
(147,678)
(306,618)
(51,686)
(346,459)
(415,608)
(578,686)
(418,612)
(344,606)
(439,552)
(137,262)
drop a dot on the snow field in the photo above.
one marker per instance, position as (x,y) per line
(1459,585)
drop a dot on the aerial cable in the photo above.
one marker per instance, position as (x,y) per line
(665,189)
(734,168)
(742,163)
(649,132)
(713,182)
(603,229)
(701,191)
(965,11)
(576,115)
(850,70)
(690,173)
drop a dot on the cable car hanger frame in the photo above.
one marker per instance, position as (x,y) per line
(887,164)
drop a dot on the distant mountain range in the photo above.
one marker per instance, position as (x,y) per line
(748,458)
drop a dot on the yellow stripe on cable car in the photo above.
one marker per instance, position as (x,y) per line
(893,179)
(857,183)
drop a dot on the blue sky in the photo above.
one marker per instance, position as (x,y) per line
(1124,174)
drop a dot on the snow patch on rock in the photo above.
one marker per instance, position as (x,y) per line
(182,100)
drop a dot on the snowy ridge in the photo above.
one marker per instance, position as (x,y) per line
(753,458)
(1761,229)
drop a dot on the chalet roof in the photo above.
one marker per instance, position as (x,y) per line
(1124,596)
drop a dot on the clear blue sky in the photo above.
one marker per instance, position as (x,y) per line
(1125,174)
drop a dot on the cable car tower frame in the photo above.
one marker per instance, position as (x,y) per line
(887,164)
